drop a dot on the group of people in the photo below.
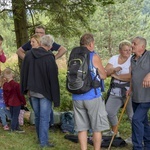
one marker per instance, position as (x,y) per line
(130,76)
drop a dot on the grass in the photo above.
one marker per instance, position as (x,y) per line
(28,140)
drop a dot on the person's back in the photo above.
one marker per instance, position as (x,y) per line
(90,105)
(39,77)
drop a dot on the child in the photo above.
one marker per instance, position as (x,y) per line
(13,98)
(3,111)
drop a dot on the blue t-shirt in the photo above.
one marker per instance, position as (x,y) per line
(27,46)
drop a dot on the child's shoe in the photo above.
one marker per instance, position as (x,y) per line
(6,127)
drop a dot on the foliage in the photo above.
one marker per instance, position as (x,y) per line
(66,99)
(115,23)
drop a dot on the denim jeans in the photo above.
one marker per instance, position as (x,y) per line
(51,118)
(42,108)
(14,111)
(3,114)
(140,126)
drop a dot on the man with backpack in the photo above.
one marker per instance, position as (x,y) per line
(88,106)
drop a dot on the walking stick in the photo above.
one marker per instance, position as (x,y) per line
(123,109)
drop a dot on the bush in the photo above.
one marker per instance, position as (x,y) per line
(65,96)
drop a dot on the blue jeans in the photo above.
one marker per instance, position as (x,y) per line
(140,126)
(51,118)
(42,108)
(14,111)
(3,114)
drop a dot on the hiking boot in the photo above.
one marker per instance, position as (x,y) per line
(6,128)
(110,133)
(128,140)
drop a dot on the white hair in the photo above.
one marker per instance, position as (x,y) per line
(47,40)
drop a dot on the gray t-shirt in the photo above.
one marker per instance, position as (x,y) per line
(34,94)
(139,69)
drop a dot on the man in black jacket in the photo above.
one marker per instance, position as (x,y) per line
(39,78)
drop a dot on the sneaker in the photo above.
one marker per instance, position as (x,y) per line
(110,133)
(128,140)
(6,128)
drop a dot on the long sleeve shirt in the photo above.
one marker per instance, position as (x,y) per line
(12,94)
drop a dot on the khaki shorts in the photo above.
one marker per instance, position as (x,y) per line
(90,114)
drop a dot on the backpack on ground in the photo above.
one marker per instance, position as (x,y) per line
(67,122)
(79,78)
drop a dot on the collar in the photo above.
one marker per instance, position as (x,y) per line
(140,56)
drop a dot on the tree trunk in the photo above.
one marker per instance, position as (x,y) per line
(20,24)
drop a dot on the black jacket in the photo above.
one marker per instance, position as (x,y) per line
(39,73)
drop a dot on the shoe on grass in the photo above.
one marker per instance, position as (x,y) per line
(6,128)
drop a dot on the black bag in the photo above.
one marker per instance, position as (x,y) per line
(72,137)
(79,80)
(78,75)
(117,142)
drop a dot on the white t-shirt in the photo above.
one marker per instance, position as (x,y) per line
(125,69)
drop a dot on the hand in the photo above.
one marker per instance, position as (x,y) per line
(146,81)
(128,92)
(117,69)
(114,75)
(7,108)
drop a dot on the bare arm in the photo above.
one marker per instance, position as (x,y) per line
(98,64)
(122,77)
(21,53)
(111,70)
(61,51)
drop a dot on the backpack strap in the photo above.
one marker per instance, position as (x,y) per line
(95,83)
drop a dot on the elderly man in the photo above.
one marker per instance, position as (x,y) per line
(140,88)
(39,78)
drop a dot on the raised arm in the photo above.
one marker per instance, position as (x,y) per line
(98,64)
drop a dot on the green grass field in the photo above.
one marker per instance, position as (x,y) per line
(28,140)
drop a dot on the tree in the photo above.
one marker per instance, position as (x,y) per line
(117,22)
(66,18)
